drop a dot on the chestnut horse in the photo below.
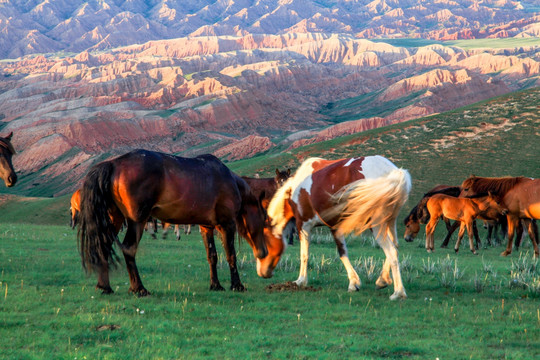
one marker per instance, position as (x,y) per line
(7,173)
(265,188)
(464,210)
(520,195)
(347,195)
(177,190)
(75,207)
(418,215)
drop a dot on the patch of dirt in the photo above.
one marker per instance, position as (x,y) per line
(289,286)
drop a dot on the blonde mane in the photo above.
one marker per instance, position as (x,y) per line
(276,208)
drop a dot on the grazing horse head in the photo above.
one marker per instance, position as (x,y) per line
(251,219)
(7,173)
(412,225)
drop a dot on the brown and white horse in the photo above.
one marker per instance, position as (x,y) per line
(347,195)
(520,195)
(7,173)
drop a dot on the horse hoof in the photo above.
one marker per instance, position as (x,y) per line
(354,287)
(216,287)
(444,246)
(474,253)
(456,250)
(238,287)
(142,292)
(105,290)
(505,253)
(397,296)
(429,251)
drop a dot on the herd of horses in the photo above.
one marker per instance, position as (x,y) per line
(346,195)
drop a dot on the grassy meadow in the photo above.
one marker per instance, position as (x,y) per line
(459,307)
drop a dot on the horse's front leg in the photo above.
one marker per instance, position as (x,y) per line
(460,236)
(129,249)
(227,232)
(354,279)
(207,234)
(303,235)
(511,227)
(390,250)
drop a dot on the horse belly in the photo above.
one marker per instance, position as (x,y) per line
(533,211)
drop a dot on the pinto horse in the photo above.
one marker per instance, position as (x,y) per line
(520,195)
(347,195)
(7,173)
(176,190)
(463,210)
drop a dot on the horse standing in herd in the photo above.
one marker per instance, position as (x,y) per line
(7,173)
(520,195)
(464,211)
(347,195)
(177,190)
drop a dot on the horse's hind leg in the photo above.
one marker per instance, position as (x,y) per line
(103,283)
(303,235)
(384,278)
(470,230)
(511,227)
(476,236)
(390,250)
(129,249)
(533,234)
(227,232)
(207,234)
(354,280)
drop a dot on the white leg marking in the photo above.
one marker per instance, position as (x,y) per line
(391,253)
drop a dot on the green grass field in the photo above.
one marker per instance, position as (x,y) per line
(459,306)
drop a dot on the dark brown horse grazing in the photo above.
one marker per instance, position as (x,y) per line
(347,195)
(7,173)
(176,190)
(520,195)
(265,188)
(463,210)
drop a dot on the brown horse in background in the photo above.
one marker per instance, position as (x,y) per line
(7,173)
(463,210)
(265,188)
(520,195)
(75,207)
(176,190)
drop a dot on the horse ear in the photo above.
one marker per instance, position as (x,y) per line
(9,136)
(277,172)
(289,172)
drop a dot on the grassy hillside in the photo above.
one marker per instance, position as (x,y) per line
(496,137)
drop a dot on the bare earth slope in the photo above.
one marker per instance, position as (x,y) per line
(198,94)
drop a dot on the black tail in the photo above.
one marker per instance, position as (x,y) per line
(96,232)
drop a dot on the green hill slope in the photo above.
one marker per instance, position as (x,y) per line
(496,137)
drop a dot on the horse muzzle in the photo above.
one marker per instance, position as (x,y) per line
(11,180)
(264,271)
(408,238)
